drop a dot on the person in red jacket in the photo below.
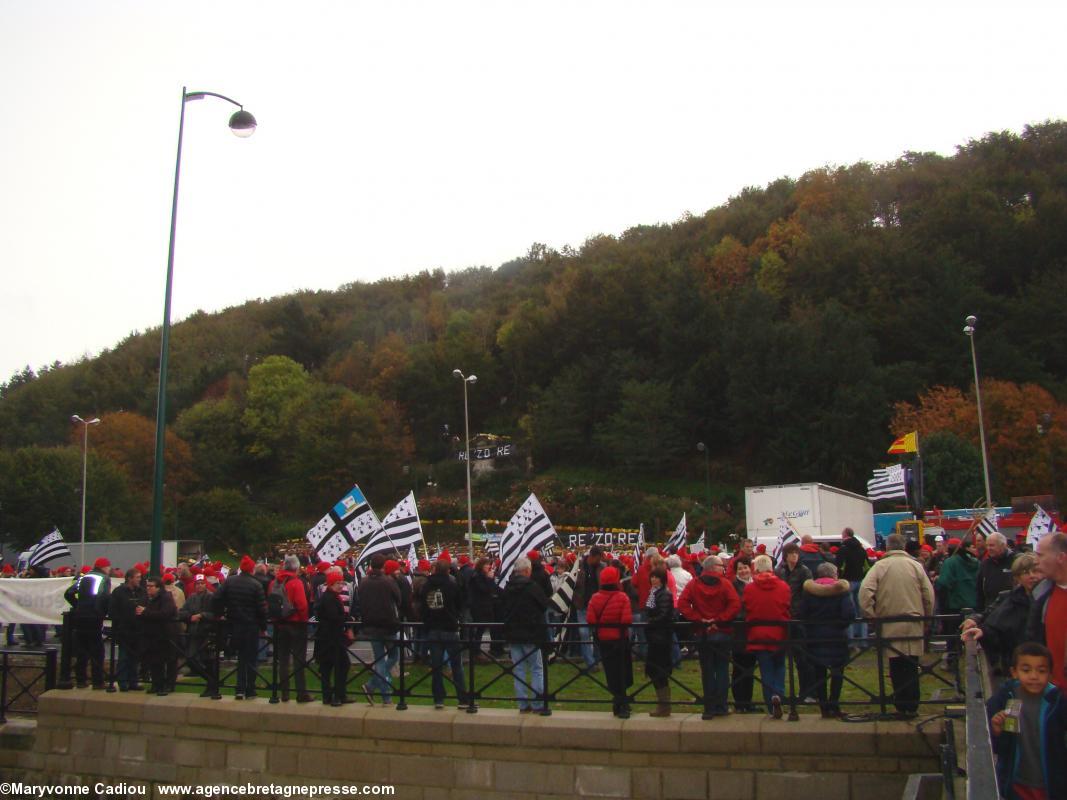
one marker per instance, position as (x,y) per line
(711,602)
(290,634)
(609,613)
(767,600)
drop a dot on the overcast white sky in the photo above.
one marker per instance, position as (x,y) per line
(400,136)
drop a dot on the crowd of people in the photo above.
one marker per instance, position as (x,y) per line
(736,615)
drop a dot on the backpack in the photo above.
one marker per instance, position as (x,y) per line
(279,606)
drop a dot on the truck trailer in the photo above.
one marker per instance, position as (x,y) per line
(811,508)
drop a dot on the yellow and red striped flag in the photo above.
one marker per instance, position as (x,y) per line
(908,443)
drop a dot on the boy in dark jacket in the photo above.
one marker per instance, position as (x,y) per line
(1028,722)
(440,602)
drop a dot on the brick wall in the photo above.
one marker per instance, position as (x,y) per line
(83,736)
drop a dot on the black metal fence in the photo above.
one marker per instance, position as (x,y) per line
(403,663)
(24,675)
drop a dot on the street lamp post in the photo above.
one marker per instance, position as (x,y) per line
(468,379)
(969,328)
(85,469)
(707,478)
(243,124)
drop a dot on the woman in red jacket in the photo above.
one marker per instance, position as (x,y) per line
(768,599)
(609,613)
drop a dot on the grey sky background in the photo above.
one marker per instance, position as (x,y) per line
(401,136)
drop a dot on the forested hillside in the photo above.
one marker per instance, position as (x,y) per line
(794,330)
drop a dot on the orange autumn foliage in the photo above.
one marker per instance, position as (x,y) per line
(1018,455)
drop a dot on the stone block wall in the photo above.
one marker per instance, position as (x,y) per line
(83,736)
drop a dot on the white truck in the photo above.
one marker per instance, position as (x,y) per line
(813,508)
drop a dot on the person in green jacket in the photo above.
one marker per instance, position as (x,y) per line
(958,581)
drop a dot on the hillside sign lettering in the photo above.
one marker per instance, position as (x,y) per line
(485,453)
(602,539)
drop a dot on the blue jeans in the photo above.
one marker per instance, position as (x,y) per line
(588,651)
(857,631)
(127,667)
(446,643)
(715,671)
(385,656)
(772,675)
(528,672)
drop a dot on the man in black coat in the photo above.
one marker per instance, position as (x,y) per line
(524,605)
(588,584)
(90,598)
(994,573)
(851,566)
(440,604)
(242,603)
(379,607)
(125,627)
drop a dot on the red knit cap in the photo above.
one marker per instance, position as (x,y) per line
(391,567)
(8,569)
(247,565)
(424,565)
(85,568)
(609,576)
(168,578)
(101,563)
(322,567)
(334,574)
(534,555)
(464,560)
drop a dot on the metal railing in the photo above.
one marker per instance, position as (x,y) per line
(568,679)
(24,675)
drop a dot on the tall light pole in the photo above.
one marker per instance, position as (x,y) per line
(467,379)
(85,468)
(968,328)
(707,478)
(243,124)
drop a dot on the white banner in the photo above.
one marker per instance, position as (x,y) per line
(36,601)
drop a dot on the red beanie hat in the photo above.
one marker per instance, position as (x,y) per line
(445,557)
(954,542)
(464,560)
(168,578)
(85,568)
(424,565)
(322,566)
(391,566)
(926,548)
(609,576)
(334,574)
(247,565)
(8,569)
(101,563)
(761,549)
(142,568)
(534,555)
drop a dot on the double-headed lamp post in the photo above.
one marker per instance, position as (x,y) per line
(467,379)
(243,124)
(969,328)
(85,423)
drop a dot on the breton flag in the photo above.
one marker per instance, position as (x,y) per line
(987,524)
(677,540)
(564,595)
(492,545)
(530,529)
(888,483)
(348,522)
(1041,525)
(413,560)
(399,529)
(786,534)
(50,547)
(908,443)
(698,545)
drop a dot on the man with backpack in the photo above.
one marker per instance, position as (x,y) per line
(287,608)
(439,602)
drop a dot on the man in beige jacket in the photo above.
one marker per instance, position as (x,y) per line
(897,586)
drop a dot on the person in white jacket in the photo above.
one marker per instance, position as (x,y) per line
(682,576)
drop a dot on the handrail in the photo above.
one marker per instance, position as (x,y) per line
(981,772)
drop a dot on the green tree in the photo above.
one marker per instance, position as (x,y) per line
(952,471)
(645,433)
(275,387)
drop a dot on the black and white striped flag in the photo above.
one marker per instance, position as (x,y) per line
(786,534)
(563,597)
(888,483)
(349,521)
(987,524)
(530,529)
(1041,525)
(677,540)
(698,545)
(50,547)
(400,529)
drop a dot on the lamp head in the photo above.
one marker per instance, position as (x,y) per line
(700,446)
(969,330)
(93,421)
(76,418)
(971,320)
(457,374)
(472,379)
(243,124)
